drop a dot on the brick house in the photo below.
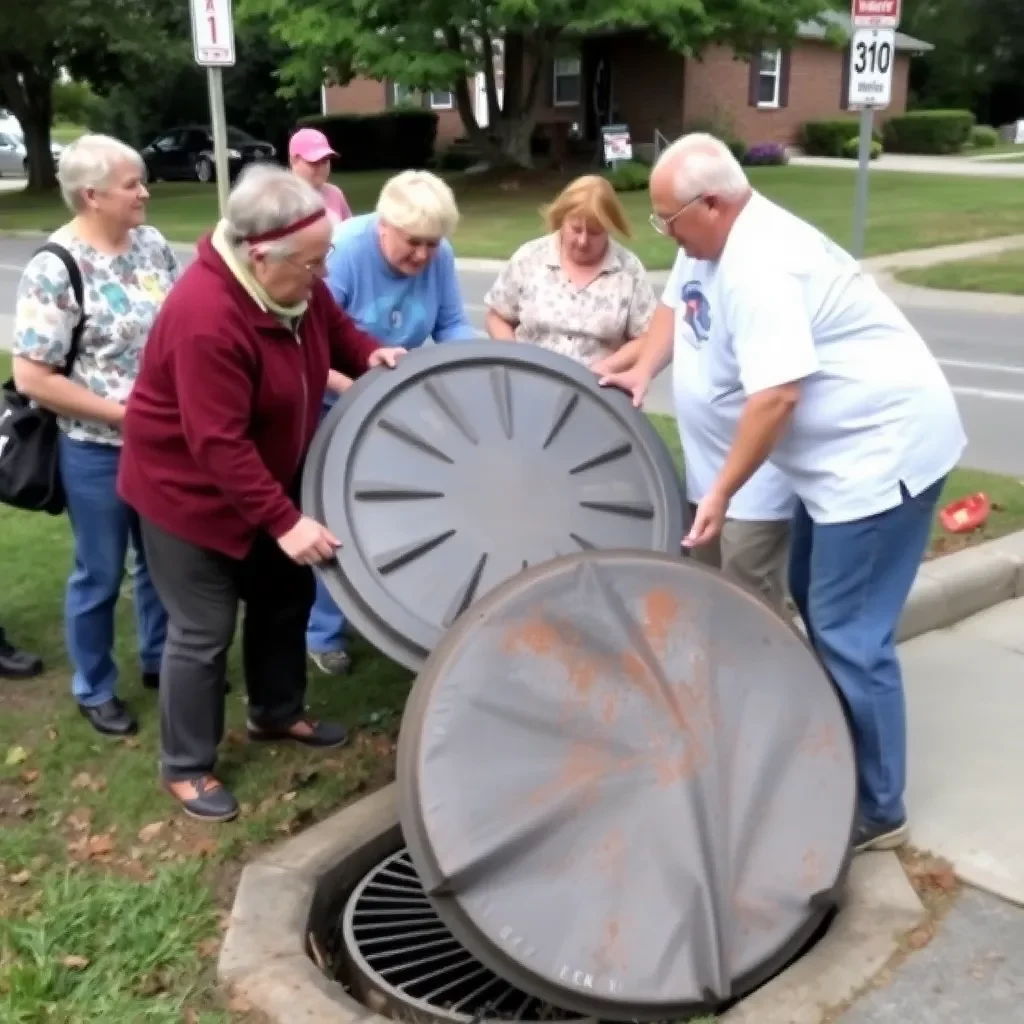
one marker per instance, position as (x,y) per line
(633,78)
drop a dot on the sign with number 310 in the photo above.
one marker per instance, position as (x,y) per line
(213,33)
(872,55)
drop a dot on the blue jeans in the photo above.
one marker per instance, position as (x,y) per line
(324,632)
(103,526)
(850,582)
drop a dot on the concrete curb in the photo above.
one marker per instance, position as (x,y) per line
(956,586)
(264,958)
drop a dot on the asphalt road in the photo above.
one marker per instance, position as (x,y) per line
(982,354)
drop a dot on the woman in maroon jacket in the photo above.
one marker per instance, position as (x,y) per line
(215,434)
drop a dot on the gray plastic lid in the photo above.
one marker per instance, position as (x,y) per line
(627,785)
(444,477)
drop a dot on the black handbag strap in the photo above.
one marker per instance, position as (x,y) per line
(77,289)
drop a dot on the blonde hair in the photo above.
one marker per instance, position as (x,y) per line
(419,203)
(592,197)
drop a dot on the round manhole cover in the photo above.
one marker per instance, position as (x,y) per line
(465,465)
(628,786)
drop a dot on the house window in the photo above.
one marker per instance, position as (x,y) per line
(769,77)
(566,86)
(441,100)
(402,94)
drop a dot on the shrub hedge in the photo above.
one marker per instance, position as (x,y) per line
(830,138)
(983,137)
(392,140)
(928,131)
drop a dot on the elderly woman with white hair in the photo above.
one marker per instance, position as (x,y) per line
(216,434)
(85,306)
(393,272)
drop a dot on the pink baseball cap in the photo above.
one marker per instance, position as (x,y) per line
(311,145)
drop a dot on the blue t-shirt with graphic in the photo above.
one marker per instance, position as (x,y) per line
(399,310)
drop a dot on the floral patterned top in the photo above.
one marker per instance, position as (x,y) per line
(534,292)
(123,293)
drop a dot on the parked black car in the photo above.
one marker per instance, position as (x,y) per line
(186,154)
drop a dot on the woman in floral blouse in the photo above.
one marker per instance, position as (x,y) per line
(127,268)
(576,290)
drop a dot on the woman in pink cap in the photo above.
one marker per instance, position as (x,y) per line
(309,154)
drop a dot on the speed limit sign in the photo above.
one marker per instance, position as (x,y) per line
(872,56)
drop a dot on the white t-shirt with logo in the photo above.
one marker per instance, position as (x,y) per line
(707,414)
(875,409)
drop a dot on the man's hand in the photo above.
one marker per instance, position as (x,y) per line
(385,357)
(308,542)
(708,520)
(634,382)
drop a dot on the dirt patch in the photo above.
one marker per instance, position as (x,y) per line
(938,888)
(34,696)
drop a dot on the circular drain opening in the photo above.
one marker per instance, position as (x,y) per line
(401,959)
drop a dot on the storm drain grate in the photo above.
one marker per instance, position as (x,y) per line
(399,953)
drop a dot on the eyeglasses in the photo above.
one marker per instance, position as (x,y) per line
(313,266)
(663,224)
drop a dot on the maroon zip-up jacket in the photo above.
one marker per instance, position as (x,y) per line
(225,406)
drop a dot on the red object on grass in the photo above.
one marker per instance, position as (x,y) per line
(966,514)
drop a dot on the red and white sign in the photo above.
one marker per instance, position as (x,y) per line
(875,13)
(213,33)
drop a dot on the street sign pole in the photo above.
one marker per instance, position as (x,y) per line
(872,56)
(860,203)
(218,122)
(213,45)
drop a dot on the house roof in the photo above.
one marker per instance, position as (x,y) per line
(829,21)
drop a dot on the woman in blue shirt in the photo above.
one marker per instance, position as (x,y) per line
(393,272)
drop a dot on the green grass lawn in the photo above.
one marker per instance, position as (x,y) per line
(906,211)
(111,903)
(1002,273)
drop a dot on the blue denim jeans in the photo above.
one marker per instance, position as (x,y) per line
(850,582)
(324,632)
(103,527)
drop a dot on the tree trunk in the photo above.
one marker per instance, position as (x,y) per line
(30,95)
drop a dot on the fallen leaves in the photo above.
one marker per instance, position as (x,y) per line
(83,780)
(22,877)
(29,775)
(208,947)
(150,832)
(99,846)
(75,963)
(15,755)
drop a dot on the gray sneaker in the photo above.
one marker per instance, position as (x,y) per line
(871,836)
(332,663)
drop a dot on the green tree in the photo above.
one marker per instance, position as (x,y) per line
(94,40)
(436,43)
(978,60)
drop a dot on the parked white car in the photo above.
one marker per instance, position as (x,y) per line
(13,155)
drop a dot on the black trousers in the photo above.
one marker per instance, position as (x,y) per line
(201,590)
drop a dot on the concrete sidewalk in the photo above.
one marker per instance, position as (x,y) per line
(908,164)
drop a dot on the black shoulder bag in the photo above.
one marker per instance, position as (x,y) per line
(29,470)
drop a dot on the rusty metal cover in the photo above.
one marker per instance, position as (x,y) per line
(446,476)
(628,786)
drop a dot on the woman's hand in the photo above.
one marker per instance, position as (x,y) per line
(385,357)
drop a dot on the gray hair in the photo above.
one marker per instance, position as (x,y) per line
(267,198)
(703,164)
(90,162)
(419,203)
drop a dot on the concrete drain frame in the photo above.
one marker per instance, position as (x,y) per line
(298,889)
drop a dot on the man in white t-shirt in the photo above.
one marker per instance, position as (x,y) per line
(844,398)
(754,544)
